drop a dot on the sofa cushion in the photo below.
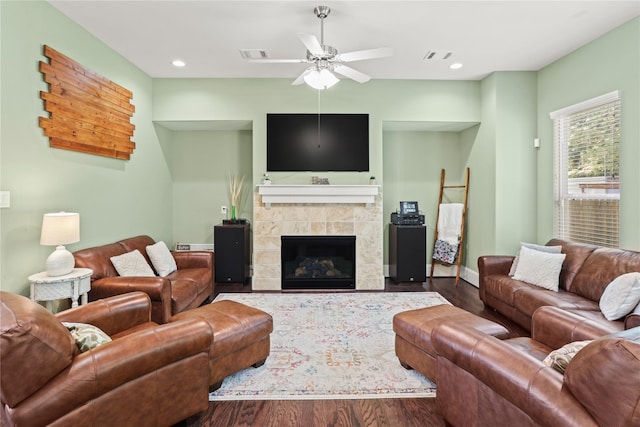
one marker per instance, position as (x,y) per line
(34,347)
(98,259)
(132,264)
(161,258)
(596,373)
(539,268)
(602,266)
(577,254)
(530,299)
(621,296)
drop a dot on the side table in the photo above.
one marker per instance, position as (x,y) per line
(73,285)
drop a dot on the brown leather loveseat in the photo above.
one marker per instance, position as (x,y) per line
(148,375)
(186,288)
(586,272)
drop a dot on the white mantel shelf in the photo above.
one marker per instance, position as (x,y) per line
(318,194)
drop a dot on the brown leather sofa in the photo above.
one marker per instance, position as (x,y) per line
(184,289)
(483,381)
(148,375)
(586,272)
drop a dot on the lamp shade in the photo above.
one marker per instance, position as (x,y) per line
(60,228)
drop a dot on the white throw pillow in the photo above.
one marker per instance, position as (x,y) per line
(541,248)
(132,264)
(539,268)
(559,359)
(161,258)
(620,296)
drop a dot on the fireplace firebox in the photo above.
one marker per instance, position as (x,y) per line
(318,262)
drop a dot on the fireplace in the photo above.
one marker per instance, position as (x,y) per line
(318,262)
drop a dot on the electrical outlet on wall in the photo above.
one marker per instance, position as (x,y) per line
(223,210)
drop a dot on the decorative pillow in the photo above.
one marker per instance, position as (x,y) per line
(132,264)
(87,336)
(560,358)
(161,258)
(620,296)
(539,268)
(541,248)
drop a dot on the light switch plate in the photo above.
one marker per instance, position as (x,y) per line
(5,199)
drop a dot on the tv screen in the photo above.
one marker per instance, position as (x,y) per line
(317,142)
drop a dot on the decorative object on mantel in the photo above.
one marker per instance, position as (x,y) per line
(87,112)
(316,180)
(266,180)
(235,191)
(372,180)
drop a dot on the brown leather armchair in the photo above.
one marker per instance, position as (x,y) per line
(148,375)
(182,290)
(483,381)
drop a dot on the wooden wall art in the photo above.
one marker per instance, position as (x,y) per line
(87,112)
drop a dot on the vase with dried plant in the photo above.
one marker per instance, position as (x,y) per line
(235,191)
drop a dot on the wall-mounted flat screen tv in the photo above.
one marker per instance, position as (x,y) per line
(317,142)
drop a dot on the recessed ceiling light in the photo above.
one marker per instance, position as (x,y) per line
(178,63)
(456,66)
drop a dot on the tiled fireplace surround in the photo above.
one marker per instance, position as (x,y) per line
(324,217)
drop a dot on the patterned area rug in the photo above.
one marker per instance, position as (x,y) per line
(330,346)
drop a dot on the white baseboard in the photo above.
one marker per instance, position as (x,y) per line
(469,275)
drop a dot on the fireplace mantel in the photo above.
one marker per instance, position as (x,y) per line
(318,194)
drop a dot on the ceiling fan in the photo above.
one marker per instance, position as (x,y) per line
(326,60)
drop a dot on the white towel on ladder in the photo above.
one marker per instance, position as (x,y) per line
(450,222)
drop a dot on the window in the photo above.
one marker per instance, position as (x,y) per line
(587,171)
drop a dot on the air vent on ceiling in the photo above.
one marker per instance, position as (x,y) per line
(437,55)
(254,54)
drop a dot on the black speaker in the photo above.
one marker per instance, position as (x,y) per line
(232,254)
(407,253)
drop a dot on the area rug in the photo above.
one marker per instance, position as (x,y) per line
(330,346)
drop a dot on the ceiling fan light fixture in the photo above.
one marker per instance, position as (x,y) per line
(320,78)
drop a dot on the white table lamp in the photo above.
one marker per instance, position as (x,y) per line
(59,229)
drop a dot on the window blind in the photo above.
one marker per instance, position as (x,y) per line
(587,171)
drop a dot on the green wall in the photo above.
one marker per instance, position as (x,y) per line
(412,165)
(200,163)
(115,198)
(159,192)
(611,62)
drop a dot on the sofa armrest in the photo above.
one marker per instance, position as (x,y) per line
(158,289)
(124,366)
(494,264)
(512,375)
(195,259)
(112,315)
(489,265)
(556,327)
(632,321)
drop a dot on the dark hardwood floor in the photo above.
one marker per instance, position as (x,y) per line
(353,412)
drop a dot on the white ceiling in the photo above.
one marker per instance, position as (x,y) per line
(485,36)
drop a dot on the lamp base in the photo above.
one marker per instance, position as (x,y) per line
(60,262)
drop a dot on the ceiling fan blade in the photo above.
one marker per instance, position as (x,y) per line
(351,73)
(279,61)
(311,43)
(359,55)
(300,79)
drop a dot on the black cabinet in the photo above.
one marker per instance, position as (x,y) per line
(233,256)
(408,253)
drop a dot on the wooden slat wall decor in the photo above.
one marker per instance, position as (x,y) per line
(87,112)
